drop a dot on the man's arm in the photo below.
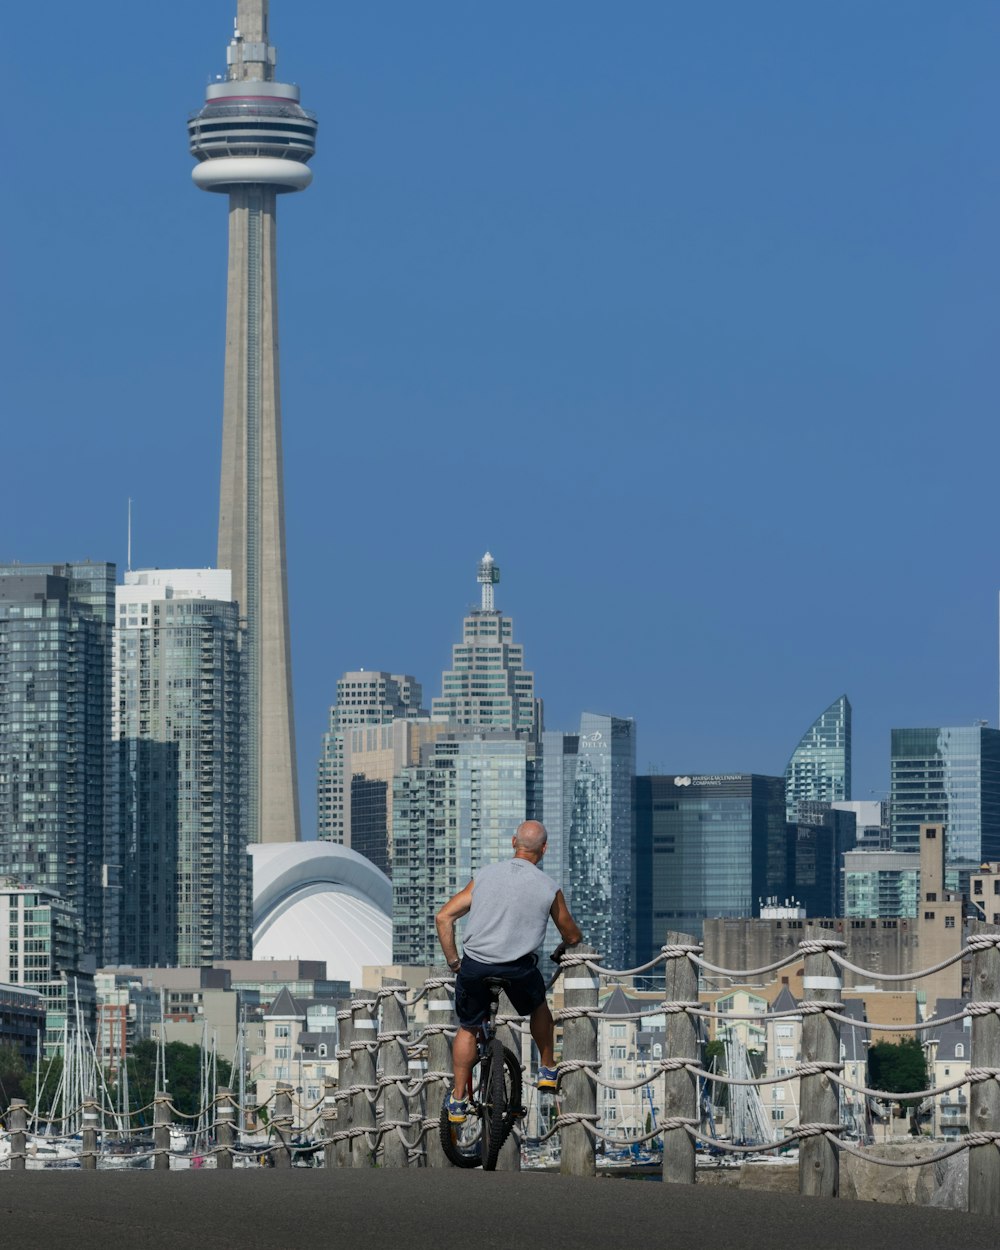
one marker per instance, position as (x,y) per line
(445,921)
(569,930)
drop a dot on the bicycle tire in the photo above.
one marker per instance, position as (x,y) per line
(502,1100)
(461,1143)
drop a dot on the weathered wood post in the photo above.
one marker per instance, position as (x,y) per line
(88,1152)
(329,1122)
(395,1104)
(161,1131)
(984,1100)
(17,1118)
(281,1123)
(510,1151)
(345,1079)
(224,1111)
(441,1016)
(363,1046)
(579,1093)
(680,1087)
(819,1159)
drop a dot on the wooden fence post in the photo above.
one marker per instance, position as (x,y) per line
(88,1151)
(281,1123)
(579,1093)
(18,1121)
(363,1009)
(395,1104)
(224,1109)
(441,1015)
(984,1098)
(819,1159)
(345,1079)
(329,1121)
(510,1151)
(161,1131)
(680,1087)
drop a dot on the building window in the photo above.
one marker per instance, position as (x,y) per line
(282,1030)
(949,922)
(959,1050)
(928,915)
(931,897)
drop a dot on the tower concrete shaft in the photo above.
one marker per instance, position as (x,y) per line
(252,140)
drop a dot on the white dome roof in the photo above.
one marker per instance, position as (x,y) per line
(318,900)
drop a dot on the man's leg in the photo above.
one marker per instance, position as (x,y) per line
(463,1056)
(543,1031)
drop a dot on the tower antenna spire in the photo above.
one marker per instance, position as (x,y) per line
(250,55)
(488,576)
(128,556)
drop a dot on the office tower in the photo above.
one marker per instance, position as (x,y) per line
(587,809)
(57,811)
(949,777)
(363,698)
(818,840)
(252,141)
(820,768)
(180,732)
(457,810)
(871,817)
(705,846)
(488,686)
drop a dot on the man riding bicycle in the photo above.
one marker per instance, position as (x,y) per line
(508,905)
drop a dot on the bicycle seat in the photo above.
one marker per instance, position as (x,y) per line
(496,983)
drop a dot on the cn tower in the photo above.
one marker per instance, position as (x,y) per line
(252,140)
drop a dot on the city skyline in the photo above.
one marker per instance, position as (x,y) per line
(663,361)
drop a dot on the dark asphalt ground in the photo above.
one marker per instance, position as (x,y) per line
(446,1209)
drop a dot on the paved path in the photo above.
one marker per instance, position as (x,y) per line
(365,1210)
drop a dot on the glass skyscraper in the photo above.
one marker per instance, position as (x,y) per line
(455,812)
(180,722)
(949,777)
(57,813)
(587,809)
(820,768)
(705,846)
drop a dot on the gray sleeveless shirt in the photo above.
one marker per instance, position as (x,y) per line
(510,908)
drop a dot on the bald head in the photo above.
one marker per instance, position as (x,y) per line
(530,838)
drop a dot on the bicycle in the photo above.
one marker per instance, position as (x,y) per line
(495,1098)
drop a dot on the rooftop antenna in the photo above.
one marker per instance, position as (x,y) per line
(128,559)
(488,576)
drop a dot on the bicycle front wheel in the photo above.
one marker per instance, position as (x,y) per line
(501,1095)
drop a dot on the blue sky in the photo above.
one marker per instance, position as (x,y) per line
(687,312)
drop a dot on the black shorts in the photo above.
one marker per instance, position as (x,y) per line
(525,988)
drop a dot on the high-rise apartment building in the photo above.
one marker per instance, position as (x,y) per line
(453,813)
(948,777)
(57,811)
(374,755)
(252,141)
(705,846)
(42,948)
(363,698)
(587,809)
(819,770)
(881,884)
(487,686)
(179,727)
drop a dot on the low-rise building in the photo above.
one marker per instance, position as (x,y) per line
(22,1020)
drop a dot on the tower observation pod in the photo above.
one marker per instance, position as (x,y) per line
(252,140)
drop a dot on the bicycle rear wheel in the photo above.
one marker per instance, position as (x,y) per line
(501,1094)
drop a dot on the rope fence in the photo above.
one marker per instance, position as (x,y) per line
(393,1057)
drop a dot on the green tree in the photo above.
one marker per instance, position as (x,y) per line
(898,1068)
(15,1078)
(183,1083)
